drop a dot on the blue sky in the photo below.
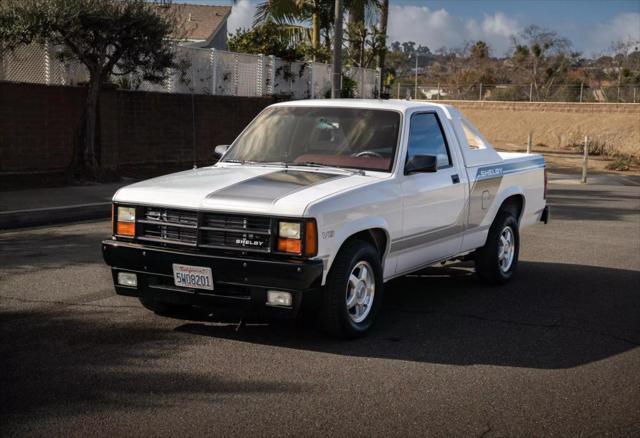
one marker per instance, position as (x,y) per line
(592,25)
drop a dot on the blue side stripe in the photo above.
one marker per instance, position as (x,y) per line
(497,170)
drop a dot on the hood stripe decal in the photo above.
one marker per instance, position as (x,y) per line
(273,186)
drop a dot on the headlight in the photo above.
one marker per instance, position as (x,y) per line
(291,237)
(126,214)
(289,230)
(126,221)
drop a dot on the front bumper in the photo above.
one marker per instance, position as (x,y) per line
(239,282)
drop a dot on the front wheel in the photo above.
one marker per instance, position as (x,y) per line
(497,260)
(353,292)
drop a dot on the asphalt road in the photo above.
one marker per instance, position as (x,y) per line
(555,352)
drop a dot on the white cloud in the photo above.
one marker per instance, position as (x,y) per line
(437,28)
(622,27)
(241,15)
(500,25)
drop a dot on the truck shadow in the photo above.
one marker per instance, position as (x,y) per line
(552,316)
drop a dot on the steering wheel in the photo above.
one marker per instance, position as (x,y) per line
(368,154)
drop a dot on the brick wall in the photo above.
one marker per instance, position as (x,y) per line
(38,125)
(150,133)
(140,134)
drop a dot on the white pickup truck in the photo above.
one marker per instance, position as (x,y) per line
(317,204)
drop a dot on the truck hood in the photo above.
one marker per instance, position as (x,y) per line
(247,189)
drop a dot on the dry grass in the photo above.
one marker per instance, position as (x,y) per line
(614,136)
(565,158)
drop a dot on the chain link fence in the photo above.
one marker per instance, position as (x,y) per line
(520,92)
(199,71)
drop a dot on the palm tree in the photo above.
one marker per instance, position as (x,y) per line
(289,13)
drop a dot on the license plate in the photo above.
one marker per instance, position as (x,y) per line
(194,277)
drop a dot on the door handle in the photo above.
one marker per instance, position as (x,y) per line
(455,179)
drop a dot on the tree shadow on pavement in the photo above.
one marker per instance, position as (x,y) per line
(552,316)
(69,362)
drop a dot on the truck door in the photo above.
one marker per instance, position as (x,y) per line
(433,203)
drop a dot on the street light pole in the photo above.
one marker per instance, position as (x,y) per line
(337,52)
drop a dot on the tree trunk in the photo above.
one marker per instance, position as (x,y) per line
(384,18)
(89,163)
(356,23)
(315,32)
(336,85)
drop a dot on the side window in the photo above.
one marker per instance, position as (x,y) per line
(426,138)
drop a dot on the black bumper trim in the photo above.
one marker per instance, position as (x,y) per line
(238,281)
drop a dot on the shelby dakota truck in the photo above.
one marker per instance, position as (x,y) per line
(317,204)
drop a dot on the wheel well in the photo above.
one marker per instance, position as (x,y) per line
(375,236)
(514,204)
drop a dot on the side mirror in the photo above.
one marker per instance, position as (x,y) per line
(220,150)
(421,164)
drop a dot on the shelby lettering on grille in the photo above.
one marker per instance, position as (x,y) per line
(251,240)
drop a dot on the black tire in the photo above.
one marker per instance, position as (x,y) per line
(164,309)
(488,262)
(335,318)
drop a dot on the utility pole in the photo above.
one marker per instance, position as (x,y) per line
(415,87)
(336,85)
(585,159)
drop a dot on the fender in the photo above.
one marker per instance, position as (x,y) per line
(351,228)
(502,196)
(476,233)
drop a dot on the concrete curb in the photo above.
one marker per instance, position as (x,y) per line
(54,215)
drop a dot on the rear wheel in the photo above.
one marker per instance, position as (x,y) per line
(353,292)
(497,260)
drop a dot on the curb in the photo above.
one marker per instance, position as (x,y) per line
(54,215)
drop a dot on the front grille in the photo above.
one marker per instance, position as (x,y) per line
(170,226)
(256,223)
(208,230)
(169,216)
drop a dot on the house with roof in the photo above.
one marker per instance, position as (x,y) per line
(200,25)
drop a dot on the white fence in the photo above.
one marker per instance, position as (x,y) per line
(201,71)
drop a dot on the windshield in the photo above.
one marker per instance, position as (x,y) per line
(339,137)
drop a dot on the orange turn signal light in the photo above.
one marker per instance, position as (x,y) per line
(126,229)
(293,246)
(310,238)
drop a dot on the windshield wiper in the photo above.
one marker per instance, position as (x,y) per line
(271,163)
(257,163)
(327,166)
